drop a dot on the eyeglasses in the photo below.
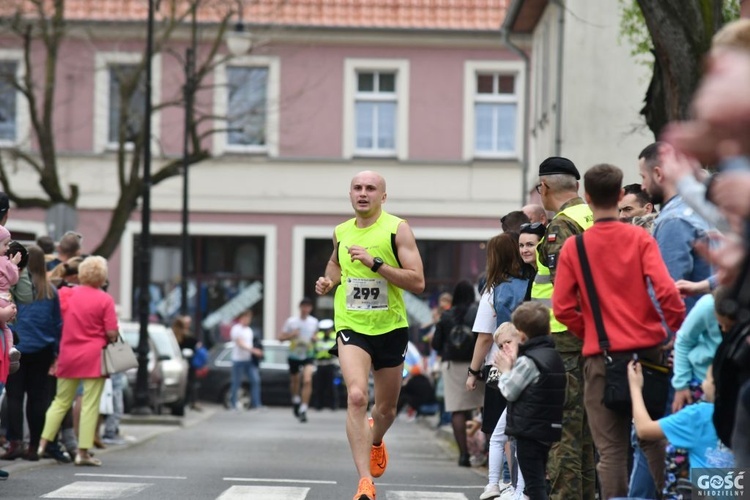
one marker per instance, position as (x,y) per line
(538,188)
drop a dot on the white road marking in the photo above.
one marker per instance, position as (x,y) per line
(266,480)
(97,490)
(441,486)
(128,476)
(423,495)
(264,493)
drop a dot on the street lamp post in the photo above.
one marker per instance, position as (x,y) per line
(189,93)
(141,406)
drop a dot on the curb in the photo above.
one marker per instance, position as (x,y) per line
(146,427)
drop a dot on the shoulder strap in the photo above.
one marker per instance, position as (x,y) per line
(593,297)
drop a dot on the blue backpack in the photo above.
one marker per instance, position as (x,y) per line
(200,358)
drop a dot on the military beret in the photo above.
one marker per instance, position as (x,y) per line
(558,165)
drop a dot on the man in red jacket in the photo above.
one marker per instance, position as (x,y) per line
(623,260)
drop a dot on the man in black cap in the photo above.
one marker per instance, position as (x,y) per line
(571,461)
(300,331)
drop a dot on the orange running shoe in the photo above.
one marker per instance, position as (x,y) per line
(365,490)
(378,459)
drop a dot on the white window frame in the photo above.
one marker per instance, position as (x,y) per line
(103,61)
(23,116)
(352,67)
(471,70)
(273,93)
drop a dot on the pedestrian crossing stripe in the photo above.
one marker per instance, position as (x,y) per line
(97,489)
(264,493)
(115,490)
(423,495)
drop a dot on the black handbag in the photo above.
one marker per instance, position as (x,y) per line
(656,377)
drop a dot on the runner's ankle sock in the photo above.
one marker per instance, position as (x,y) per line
(302,408)
(296,400)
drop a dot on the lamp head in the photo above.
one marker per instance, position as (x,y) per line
(239,40)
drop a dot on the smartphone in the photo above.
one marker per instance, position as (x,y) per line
(635,357)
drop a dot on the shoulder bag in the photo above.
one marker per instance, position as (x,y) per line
(656,377)
(117,357)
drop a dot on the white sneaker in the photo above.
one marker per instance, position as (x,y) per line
(508,492)
(490,491)
(516,495)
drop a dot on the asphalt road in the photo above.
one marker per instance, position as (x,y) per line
(259,455)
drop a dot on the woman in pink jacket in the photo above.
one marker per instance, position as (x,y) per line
(89,322)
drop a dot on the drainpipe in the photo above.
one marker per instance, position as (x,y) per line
(559,89)
(505,37)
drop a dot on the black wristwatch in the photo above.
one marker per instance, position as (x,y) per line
(476,373)
(376,263)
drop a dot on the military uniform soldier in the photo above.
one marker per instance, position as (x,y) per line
(571,461)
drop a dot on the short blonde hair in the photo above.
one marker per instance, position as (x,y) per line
(506,328)
(93,271)
(734,35)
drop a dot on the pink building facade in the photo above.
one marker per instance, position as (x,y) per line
(437,111)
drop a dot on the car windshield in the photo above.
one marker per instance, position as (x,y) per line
(164,342)
(130,337)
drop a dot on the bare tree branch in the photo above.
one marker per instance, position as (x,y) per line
(17,154)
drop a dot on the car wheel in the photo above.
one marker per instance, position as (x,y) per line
(178,409)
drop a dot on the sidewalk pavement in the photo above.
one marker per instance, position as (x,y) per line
(135,429)
(444,435)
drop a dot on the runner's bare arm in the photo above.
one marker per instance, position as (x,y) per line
(410,276)
(332,276)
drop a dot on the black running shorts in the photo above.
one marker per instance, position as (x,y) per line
(296,364)
(386,350)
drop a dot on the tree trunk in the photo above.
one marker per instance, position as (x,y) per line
(681,32)
(126,203)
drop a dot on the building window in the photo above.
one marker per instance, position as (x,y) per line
(122,78)
(219,268)
(8,102)
(493,101)
(116,72)
(376,111)
(246,106)
(495,111)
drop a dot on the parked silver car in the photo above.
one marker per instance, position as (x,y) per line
(167,368)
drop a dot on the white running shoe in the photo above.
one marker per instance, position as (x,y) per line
(507,492)
(490,491)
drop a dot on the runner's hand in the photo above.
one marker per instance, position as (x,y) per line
(357,252)
(323,285)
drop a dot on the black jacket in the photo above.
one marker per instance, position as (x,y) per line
(537,413)
(447,339)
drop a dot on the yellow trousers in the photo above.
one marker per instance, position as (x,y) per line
(66,392)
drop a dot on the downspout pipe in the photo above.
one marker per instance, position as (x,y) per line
(559,89)
(505,38)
